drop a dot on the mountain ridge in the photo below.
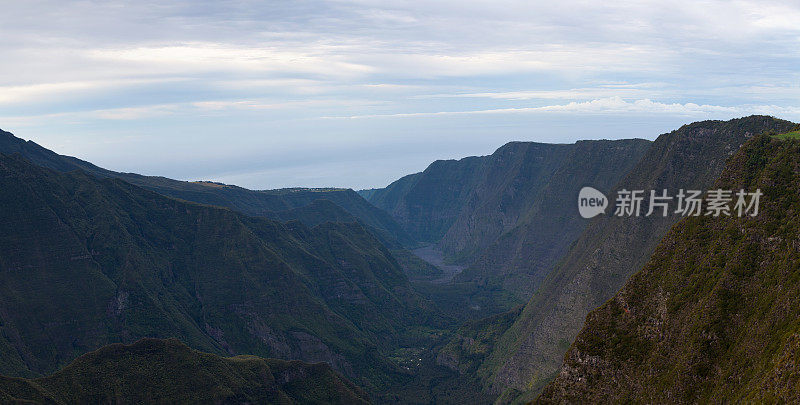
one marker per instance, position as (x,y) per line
(101,261)
(712,316)
(608,251)
(262,203)
(506,216)
(167,371)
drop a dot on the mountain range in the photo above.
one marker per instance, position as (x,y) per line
(713,315)
(89,261)
(527,355)
(278,204)
(505,218)
(465,283)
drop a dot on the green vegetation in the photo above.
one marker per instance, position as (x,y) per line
(608,252)
(223,282)
(473,342)
(87,262)
(788,135)
(713,317)
(168,372)
(503,216)
(546,221)
(90,257)
(282,203)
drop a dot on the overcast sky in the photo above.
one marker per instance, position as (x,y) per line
(358,93)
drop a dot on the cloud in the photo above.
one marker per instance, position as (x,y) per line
(603,91)
(201,56)
(47,91)
(193,109)
(610,105)
(245,67)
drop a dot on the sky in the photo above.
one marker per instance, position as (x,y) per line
(357,93)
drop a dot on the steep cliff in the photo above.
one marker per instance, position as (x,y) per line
(713,315)
(609,251)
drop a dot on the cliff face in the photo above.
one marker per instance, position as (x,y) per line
(608,251)
(511,180)
(85,262)
(426,204)
(508,216)
(521,257)
(713,315)
(167,371)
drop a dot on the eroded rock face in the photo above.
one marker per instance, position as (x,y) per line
(611,249)
(510,216)
(713,316)
(277,343)
(312,350)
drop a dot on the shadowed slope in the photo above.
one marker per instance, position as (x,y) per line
(167,371)
(266,203)
(507,217)
(611,249)
(85,262)
(519,260)
(714,315)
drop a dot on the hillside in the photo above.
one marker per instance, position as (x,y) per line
(507,217)
(85,262)
(521,257)
(713,315)
(426,204)
(167,371)
(609,251)
(465,205)
(264,203)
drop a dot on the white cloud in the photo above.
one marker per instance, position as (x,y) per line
(610,105)
(188,109)
(48,91)
(211,57)
(245,67)
(17,94)
(618,90)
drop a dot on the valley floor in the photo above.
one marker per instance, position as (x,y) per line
(435,257)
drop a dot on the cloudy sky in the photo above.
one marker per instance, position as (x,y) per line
(357,93)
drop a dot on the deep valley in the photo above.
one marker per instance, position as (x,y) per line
(473,281)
